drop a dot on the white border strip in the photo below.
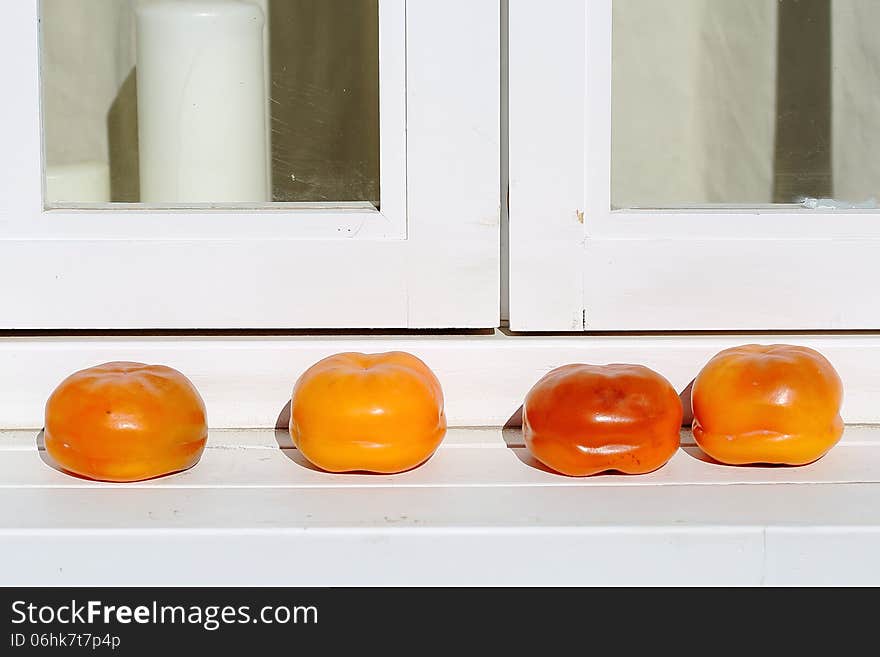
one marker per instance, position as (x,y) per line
(246,380)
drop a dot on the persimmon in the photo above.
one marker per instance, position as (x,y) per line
(125,422)
(379,413)
(581,420)
(776,404)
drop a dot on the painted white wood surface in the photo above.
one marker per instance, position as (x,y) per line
(547,165)
(346,267)
(780,268)
(247,380)
(470,458)
(477,513)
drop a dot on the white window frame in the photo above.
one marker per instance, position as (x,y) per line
(576,264)
(429,258)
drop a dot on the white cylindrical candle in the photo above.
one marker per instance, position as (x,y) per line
(201,102)
(82,182)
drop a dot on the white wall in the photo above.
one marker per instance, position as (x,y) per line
(856,99)
(694,101)
(88,51)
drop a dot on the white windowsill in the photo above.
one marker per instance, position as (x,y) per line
(479,512)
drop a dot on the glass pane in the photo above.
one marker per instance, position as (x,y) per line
(750,102)
(174,102)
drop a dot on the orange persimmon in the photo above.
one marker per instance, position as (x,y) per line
(774,404)
(125,422)
(585,419)
(378,413)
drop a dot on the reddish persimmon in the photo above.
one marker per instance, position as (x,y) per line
(585,419)
(125,422)
(767,404)
(373,413)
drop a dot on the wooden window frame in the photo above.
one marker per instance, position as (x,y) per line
(578,265)
(277,266)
